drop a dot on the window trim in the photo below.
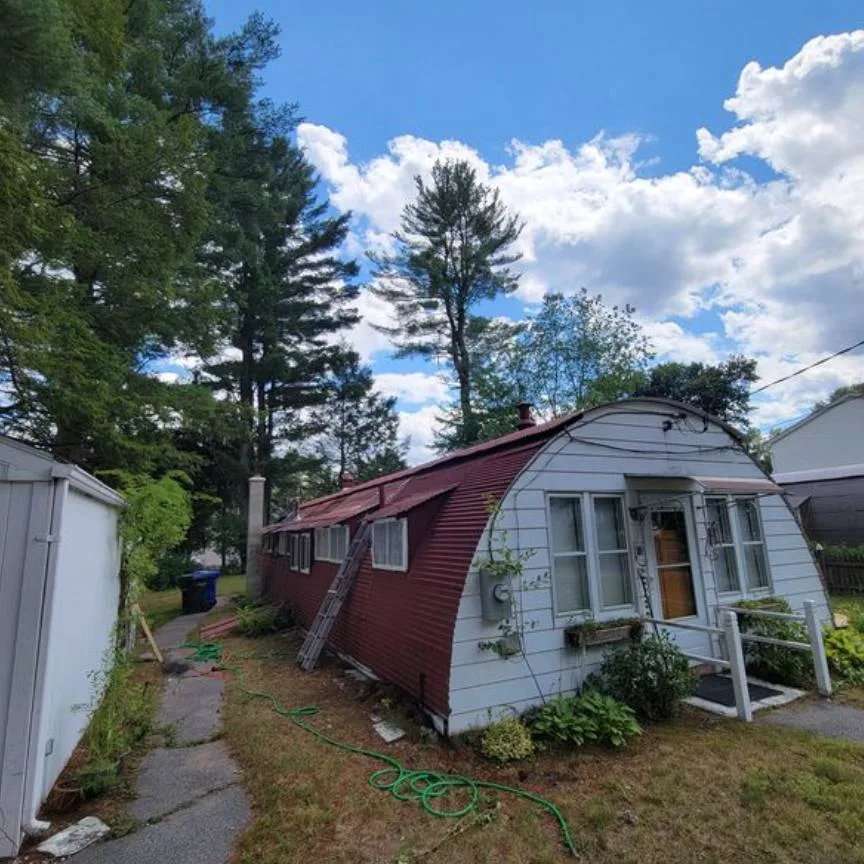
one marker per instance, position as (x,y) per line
(296,551)
(329,529)
(733,527)
(404,522)
(595,609)
(744,590)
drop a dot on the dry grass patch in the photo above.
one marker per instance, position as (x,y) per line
(696,789)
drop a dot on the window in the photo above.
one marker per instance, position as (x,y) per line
(735,537)
(390,544)
(282,548)
(722,541)
(590,555)
(331,543)
(569,558)
(300,549)
(614,570)
(755,565)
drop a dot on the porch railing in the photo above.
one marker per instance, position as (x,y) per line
(733,638)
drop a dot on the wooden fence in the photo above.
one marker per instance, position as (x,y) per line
(843,576)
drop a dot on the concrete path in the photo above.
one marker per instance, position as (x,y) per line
(831,719)
(189,801)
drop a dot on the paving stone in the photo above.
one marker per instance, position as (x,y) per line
(73,839)
(192,705)
(830,719)
(171,778)
(203,833)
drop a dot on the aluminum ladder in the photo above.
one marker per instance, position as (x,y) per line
(319,632)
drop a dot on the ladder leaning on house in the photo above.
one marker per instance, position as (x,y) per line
(319,632)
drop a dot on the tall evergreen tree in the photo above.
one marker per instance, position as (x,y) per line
(107,289)
(453,251)
(358,433)
(285,290)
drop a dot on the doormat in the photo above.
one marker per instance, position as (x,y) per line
(718,688)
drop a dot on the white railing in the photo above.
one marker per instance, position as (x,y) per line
(734,639)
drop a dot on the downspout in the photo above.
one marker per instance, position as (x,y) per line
(34,827)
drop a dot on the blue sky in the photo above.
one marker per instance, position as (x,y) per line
(700,219)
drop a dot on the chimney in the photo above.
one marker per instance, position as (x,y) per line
(348,480)
(255,524)
(526,421)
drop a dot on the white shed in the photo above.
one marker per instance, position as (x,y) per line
(59,596)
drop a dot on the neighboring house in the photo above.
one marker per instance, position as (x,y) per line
(820,462)
(59,594)
(640,506)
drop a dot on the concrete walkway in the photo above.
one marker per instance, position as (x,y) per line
(824,717)
(189,801)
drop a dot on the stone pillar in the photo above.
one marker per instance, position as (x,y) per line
(254,577)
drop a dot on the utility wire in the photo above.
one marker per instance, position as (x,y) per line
(807,368)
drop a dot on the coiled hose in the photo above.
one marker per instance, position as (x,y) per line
(426,788)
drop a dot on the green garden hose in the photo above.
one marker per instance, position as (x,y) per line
(424,787)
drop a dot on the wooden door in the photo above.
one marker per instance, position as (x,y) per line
(674,567)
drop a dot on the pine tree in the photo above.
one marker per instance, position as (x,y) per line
(358,428)
(453,251)
(285,289)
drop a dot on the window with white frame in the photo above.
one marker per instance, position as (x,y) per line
(569,556)
(300,552)
(390,544)
(613,556)
(590,554)
(331,543)
(737,543)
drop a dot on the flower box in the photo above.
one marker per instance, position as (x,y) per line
(592,633)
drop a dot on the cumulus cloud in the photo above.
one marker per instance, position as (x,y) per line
(419,427)
(780,261)
(413,388)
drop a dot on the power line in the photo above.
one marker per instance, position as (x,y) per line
(807,368)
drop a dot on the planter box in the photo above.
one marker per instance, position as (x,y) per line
(582,637)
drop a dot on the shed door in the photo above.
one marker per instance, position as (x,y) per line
(674,570)
(25,518)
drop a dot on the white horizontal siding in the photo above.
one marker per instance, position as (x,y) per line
(483,685)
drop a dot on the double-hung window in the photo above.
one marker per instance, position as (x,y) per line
(390,544)
(737,543)
(300,552)
(331,543)
(590,554)
(282,547)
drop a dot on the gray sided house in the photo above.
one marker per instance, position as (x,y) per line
(640,508)
(820,463)
(59,594)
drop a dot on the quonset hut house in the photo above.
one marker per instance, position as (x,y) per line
(641,507)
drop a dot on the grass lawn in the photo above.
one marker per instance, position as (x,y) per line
(161,606)
(696,789)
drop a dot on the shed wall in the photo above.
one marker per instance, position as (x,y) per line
(25,513)
(588,461)
(77,634)
(834,510)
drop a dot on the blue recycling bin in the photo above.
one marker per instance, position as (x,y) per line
(199,590)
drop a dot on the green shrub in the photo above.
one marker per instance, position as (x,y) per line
(651,676)
(592,716)
(846,553)
(845,650)
(774,663)
(507,740)
(559,721)
(263,620)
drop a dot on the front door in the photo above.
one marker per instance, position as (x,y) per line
(675,577)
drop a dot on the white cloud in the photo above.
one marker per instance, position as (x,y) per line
(781,261)
(413,388)
(419,426)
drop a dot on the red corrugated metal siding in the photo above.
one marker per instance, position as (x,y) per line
(401,624)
